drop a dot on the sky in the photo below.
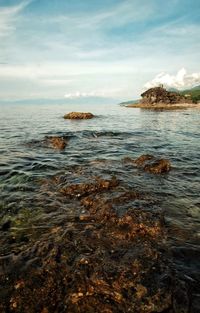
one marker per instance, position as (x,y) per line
(90,48)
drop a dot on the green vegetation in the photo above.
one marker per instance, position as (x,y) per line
(129,102)
(193,92)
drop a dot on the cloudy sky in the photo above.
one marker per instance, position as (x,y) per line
(107,48)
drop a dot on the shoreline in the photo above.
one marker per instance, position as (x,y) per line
(163,106)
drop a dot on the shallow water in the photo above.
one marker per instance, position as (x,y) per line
(96,148)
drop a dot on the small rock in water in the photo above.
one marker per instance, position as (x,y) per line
(152,165)
(78,115)
(57,142)
(158,166)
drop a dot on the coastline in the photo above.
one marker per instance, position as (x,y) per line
(163,106)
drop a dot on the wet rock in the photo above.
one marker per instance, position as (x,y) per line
(106,266)
(56,142)
(84,189)
(103,261)
(78,115)
(158,166)
(152,165)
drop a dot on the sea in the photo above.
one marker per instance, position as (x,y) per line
(97,148)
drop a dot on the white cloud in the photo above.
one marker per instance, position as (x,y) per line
(79,94)
(79,53)
(65,71)
(181,80)
(94,93)
(119,14)
(8,15)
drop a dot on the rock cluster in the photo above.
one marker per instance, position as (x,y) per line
(160,95)
(100,262)
(78,116)
(111,256)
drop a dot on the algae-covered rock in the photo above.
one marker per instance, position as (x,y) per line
(78,115)
(56,142)
(84,189)
(151,164)
(103,260)
(158,166)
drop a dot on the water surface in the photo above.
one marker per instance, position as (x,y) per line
(96,148)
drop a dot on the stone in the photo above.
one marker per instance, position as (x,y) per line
(78,116)
(158,166)
(85,189)
(151,164)
(57,142)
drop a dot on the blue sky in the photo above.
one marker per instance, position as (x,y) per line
(107,48)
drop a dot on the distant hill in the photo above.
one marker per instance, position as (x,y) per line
(193,92)
(81,100)
(129,102)
(196,87)
(172,89)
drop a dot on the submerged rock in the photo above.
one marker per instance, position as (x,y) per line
(56,142)
(105,263)
(152,165)
(85,189)
(78,115)
(101,261)
(158,166)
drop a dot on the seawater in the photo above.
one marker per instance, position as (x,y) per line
(96,148)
